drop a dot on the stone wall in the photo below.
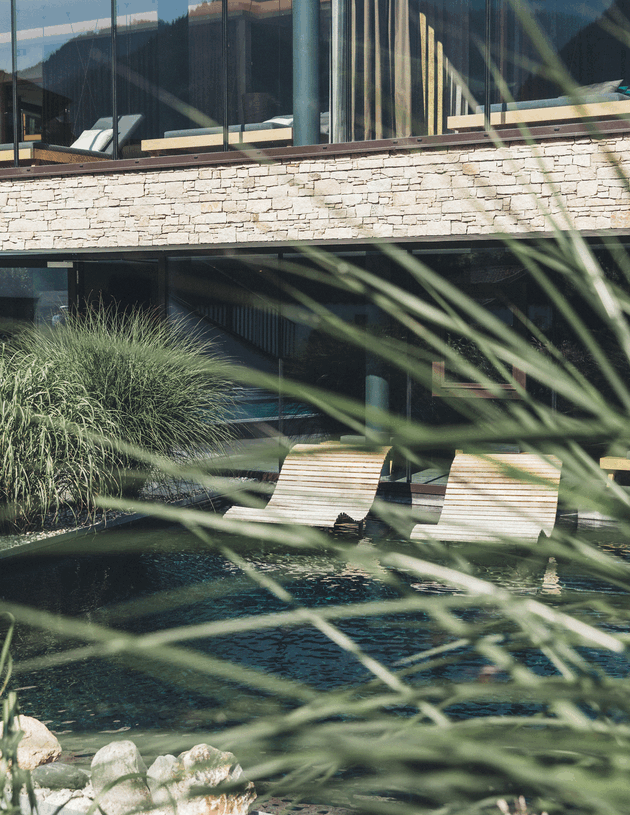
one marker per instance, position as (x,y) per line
(475,190)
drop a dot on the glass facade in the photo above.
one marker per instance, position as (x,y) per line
(63,68)
(252,307)
(587,38)
(364,70)
(32,295)
(258,311)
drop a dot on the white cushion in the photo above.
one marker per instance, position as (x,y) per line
(280,121)
(94,139)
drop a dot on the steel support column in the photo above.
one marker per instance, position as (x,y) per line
(305,72)
(14,73)
(114,48)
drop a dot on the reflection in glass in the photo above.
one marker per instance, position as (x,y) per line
(127,285)
(408,64)
(395,68)
(259,43)
(152,62)
(579,34)
(37,296)
(205,60)
(64,72)
(6,102)
(260,61)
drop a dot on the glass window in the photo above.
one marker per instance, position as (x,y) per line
(581,35)
(232,302)
(407,65)
(259,39)
(385,68)
(260,76)
(241,304)
(6,92)
(205,65)
(127,285)
(64,68)
(32,296)
(253,85)
(152,63)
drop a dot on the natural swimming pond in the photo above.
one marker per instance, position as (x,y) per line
(154,589)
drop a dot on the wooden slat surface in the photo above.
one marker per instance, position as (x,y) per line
(25,154)
(48,155)
(590,110)
(45,154)
(210,141)
(614,463)
(319,484)
(447,532)
(495,497)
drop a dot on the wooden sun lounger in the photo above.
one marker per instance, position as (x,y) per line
(614,464)
(543,115)
(36,153)
(214,141)
(321,485)
(491,498)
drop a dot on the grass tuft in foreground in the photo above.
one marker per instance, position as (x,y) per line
(73,397)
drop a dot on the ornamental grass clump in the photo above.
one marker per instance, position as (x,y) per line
(74,398)
(49,456)
(166,391)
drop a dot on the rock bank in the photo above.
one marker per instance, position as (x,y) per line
(199,781)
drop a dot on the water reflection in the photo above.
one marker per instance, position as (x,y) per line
(551,581)
(154,589)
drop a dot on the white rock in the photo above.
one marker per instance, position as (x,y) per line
(37,746)
(160,776)
(201,767)
(78,804)
(59,797)
(112,762)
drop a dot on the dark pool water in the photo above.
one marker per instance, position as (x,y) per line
(153,590)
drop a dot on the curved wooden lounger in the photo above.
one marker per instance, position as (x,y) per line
(321,485)
(497,496)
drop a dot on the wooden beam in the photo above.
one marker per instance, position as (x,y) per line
(180,144)
(565,113)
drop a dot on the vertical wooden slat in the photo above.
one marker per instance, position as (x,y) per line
(423,59)
(431,82)
(440,87)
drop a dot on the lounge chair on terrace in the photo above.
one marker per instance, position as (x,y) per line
(322,485)
(497,496)
(275,132)
(600,101)
(95,144)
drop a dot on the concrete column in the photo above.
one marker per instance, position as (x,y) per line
(339,95)
(305,72)
(377,396)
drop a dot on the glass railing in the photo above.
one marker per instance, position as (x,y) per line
(226,74)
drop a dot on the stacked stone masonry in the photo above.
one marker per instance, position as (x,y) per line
(477,190)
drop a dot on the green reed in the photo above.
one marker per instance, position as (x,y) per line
(14,781)
(556,740)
